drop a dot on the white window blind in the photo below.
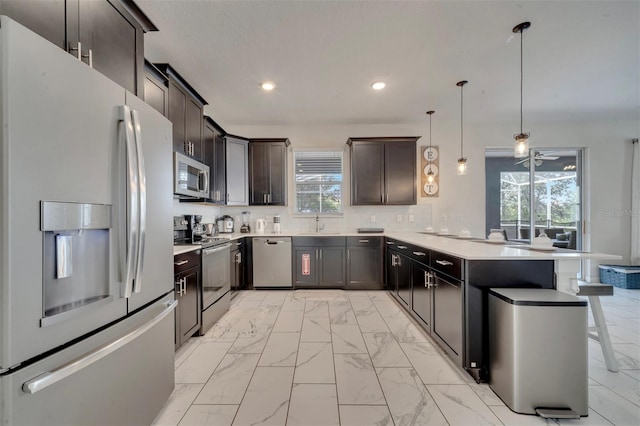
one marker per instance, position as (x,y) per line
(318,181)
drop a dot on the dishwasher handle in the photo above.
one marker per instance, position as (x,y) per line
(271,242)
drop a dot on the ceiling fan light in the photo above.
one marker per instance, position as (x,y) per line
(462,166)
(521,147)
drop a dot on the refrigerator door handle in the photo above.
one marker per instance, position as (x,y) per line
(142,203)
(128,213)
(51,377)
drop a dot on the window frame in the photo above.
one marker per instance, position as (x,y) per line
(296,213)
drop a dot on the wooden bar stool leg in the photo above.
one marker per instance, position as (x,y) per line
(603,334)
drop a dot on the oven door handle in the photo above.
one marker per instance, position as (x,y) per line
(215,250)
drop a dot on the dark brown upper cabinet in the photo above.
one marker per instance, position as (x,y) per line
(185,112)
(268,172)
(383,170)
(214,157)
(105,34)
(156,88)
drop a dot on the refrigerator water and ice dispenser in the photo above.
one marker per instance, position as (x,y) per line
(76,257)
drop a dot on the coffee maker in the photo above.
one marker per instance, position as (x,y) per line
(188,229)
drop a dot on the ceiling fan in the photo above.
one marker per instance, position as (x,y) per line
(539,157)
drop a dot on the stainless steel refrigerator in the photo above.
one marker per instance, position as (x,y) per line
(86,276)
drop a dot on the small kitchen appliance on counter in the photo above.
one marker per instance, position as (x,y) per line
(276,224)
(225,224)
(246,219)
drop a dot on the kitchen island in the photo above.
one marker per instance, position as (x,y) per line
(442,282)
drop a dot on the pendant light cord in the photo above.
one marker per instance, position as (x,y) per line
(521,77)
(461,119)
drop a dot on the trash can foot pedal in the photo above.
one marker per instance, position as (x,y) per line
(557,413)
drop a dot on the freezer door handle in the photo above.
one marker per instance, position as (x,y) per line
(49,378)
(142,202)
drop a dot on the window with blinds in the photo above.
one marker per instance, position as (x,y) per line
(318,182)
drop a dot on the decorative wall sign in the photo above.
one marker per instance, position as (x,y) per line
(430,161)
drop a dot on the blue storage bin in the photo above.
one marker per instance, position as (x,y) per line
(620,276)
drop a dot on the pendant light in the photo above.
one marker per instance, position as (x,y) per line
(462,161)
(430,176)
(521,147)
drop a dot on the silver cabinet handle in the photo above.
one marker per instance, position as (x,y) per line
(419,253)
(182,262)
(402,247)
(89,56)
(348,254)
(51,377)
(78,49)
(387,197)
(238,258)
(444,262)
(390,242)
(426,279)
(363,241)
(269,198)
(184,285)
(179,285)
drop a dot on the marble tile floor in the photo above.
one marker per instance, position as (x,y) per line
(331,357)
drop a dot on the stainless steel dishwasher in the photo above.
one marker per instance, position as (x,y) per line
(272,262)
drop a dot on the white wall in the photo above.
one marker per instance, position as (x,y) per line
(461,202)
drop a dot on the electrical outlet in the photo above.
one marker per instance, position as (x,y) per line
(399,218)
(372,218)
(412,218)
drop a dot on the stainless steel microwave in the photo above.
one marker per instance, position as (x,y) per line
(190,177)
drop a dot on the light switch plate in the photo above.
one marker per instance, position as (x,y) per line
(399,217)
(373,218)
(411,218)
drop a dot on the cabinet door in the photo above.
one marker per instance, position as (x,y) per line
(364,267)
(193,127)
(236,268)
(156,94)
(220,170)
(367,173)
(237,172)
(277,174)
(189,303)
(421,293)
(177,116)
(209,155)
(400,173)
(115,42)
(332,267)
(305,266)
(259,174)
(46,18)
(404,279)
(447,311)
(391,273)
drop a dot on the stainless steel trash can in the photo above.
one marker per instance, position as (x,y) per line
(538,351)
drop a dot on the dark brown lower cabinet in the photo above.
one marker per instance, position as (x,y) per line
(319,262)
(364,263)
(400,273)
(187,286)
(421,293)
(447,311)
(237,268)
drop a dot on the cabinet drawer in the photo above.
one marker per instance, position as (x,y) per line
(447,264)
(364,241)
(418,253)
(184,261)
(319,241)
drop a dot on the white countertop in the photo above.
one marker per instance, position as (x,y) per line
(466,249)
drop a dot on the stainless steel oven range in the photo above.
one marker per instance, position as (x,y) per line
(216,281)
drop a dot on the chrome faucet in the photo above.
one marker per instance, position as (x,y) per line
(319,226)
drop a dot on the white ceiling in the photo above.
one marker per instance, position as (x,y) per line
(582,59)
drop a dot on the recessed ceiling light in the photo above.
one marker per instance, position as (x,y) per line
(378,85)
(268,86)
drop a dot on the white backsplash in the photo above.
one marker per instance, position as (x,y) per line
(353,217)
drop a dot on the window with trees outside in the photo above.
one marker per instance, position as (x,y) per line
(556,198)
(318,182)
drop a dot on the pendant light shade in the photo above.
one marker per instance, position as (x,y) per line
(462,161)
(431,177)
(521,147)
